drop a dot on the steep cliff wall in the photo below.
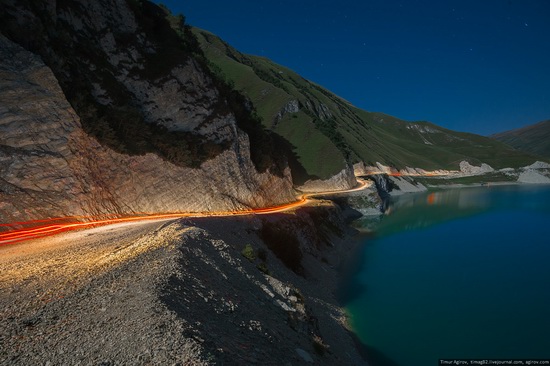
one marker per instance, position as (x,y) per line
(116,128)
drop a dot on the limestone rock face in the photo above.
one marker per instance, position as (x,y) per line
(49,167)
(538,165)
(292,106)
(531,176)
(406,185)
(468,169)
(362,169)
(536,173)
(341,181)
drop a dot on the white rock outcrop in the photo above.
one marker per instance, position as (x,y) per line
(468,169)
(531,176)
(405,185)
(341,181)
(538,165)
(362,169)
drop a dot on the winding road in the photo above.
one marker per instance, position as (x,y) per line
(48,227)
(62,295)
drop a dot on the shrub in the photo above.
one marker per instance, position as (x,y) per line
(248,253)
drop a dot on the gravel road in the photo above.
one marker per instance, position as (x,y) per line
(89,298)
(178,292)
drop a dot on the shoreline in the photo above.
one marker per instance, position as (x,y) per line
(477,205)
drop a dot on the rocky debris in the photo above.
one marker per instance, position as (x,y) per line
(319,109)
(367,201)
(94,302)
(289,310)
(341,181)
(406,185)
(538,165)
(536,173)
(292,106)
(382,169)
(423,172)
(468,169)
(361,169)
(532,176)
(177,293)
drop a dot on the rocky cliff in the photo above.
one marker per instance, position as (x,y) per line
(341,181)
(97,118)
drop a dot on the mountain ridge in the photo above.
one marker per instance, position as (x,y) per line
(305,113)
(533,139)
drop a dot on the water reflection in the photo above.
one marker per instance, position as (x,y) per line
(416,211)
(472,283)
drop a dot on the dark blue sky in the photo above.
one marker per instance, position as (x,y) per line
(481,66)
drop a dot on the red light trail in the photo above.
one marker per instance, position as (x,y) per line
(56,226)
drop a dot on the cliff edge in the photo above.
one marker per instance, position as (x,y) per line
(93,122)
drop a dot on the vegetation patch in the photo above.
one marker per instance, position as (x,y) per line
(349,133)
(248,253)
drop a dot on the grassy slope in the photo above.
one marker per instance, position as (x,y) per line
(316,152)
(533,139)
(322,139)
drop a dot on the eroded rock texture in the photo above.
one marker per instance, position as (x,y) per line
(50,166)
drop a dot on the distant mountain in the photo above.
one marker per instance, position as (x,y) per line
(328,132)
(532,139)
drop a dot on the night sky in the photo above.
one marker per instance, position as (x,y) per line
(480,66)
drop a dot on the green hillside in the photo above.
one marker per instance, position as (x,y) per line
(533,139)
(326,130)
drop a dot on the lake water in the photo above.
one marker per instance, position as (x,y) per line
(462,273)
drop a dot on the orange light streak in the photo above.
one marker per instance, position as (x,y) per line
(18,235)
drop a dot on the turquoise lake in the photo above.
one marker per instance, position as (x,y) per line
(461,273)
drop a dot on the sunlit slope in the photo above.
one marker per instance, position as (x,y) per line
(533,139)
(326,130)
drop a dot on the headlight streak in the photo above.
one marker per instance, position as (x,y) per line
(56,226)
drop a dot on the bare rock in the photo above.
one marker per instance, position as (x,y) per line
(538,165)
(468,169)
(305,356)
(406,185)
(49,167)
(341,181)
(532,176)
